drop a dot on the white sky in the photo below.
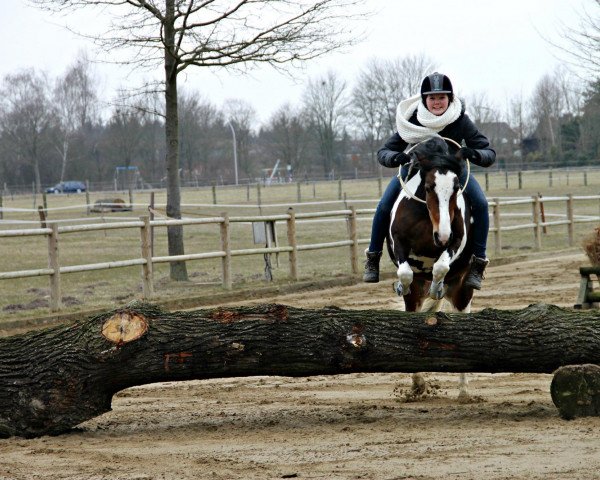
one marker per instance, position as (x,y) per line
(487,46)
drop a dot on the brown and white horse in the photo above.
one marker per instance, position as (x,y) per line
(429,239)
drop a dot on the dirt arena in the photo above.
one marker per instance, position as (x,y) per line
(337,427)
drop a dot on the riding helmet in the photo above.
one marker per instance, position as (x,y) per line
(436,83)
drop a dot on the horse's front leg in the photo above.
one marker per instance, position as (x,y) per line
(405,278)
(441,267)
(404,272)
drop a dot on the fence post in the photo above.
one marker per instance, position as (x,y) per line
(291,234)
(520,180)
(537,230)
(314,189)
(147,269)
(354,239)
(1,208)
(130,191)
(248,191)
(299,192)
(550,178)
(54,264)
(506,179)
(585,178)
(214,193)
(258,196)
(497,235)
(45,203)
(571,219)
(226,247)
(340,189)
(151,228)
(87,201)
(42,214)
(487,181)
(379,181)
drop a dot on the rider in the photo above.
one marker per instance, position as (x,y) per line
(435,111)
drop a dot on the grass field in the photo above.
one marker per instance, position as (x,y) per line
(110,288)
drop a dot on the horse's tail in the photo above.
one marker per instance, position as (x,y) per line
(388,244)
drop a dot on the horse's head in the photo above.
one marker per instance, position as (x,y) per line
(440,172)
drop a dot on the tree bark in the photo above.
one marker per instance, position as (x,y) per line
(178,269)
(54,379)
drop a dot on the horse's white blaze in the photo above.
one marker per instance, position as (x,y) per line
(444,188)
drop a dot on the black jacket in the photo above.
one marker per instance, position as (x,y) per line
(461,129)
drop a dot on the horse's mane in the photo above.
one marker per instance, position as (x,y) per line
(434,153)
(443,162)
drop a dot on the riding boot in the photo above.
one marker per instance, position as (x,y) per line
(475,275)
(371,274)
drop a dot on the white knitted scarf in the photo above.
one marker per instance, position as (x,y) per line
(432,124)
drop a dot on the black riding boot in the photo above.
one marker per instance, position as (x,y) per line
(371,274)
(475,275)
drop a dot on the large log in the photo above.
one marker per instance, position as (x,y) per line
(54,379)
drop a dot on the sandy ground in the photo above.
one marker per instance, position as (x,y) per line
(336,427)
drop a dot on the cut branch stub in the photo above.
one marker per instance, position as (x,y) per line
(124,327)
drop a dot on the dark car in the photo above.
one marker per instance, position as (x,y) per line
(67,187)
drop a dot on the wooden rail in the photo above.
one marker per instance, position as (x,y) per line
(146,260)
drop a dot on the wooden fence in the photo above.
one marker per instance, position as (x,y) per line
(146,260)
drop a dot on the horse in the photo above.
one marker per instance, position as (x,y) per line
(429,236)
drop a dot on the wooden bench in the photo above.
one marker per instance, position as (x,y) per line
(588,297)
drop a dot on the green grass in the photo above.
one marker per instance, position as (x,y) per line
(110,288)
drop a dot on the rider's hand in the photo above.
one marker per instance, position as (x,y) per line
(467,153)
(402,159)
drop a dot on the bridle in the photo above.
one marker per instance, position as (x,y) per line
(403,183)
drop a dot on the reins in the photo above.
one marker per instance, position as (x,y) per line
(403,183)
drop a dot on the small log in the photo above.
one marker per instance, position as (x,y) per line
(575,391)
(53,379)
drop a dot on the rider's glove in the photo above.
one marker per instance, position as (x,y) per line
(467,153)
(401,159)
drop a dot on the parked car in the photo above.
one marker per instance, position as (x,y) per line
(67,187)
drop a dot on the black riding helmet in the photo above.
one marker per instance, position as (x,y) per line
(436,83)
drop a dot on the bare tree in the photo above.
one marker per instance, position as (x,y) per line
(285,138)
(481,109)
(583,40)
(201,134)
(325,104)
(380,86)
(27,116)
(241,116)
(212,33)
(76,103)
(553,103)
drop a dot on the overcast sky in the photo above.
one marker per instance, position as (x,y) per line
(496,47)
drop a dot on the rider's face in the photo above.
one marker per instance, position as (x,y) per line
(437,103)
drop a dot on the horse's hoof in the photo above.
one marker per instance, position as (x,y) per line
(438,292)
(399,289)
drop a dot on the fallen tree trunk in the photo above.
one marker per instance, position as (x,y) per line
(54,379)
